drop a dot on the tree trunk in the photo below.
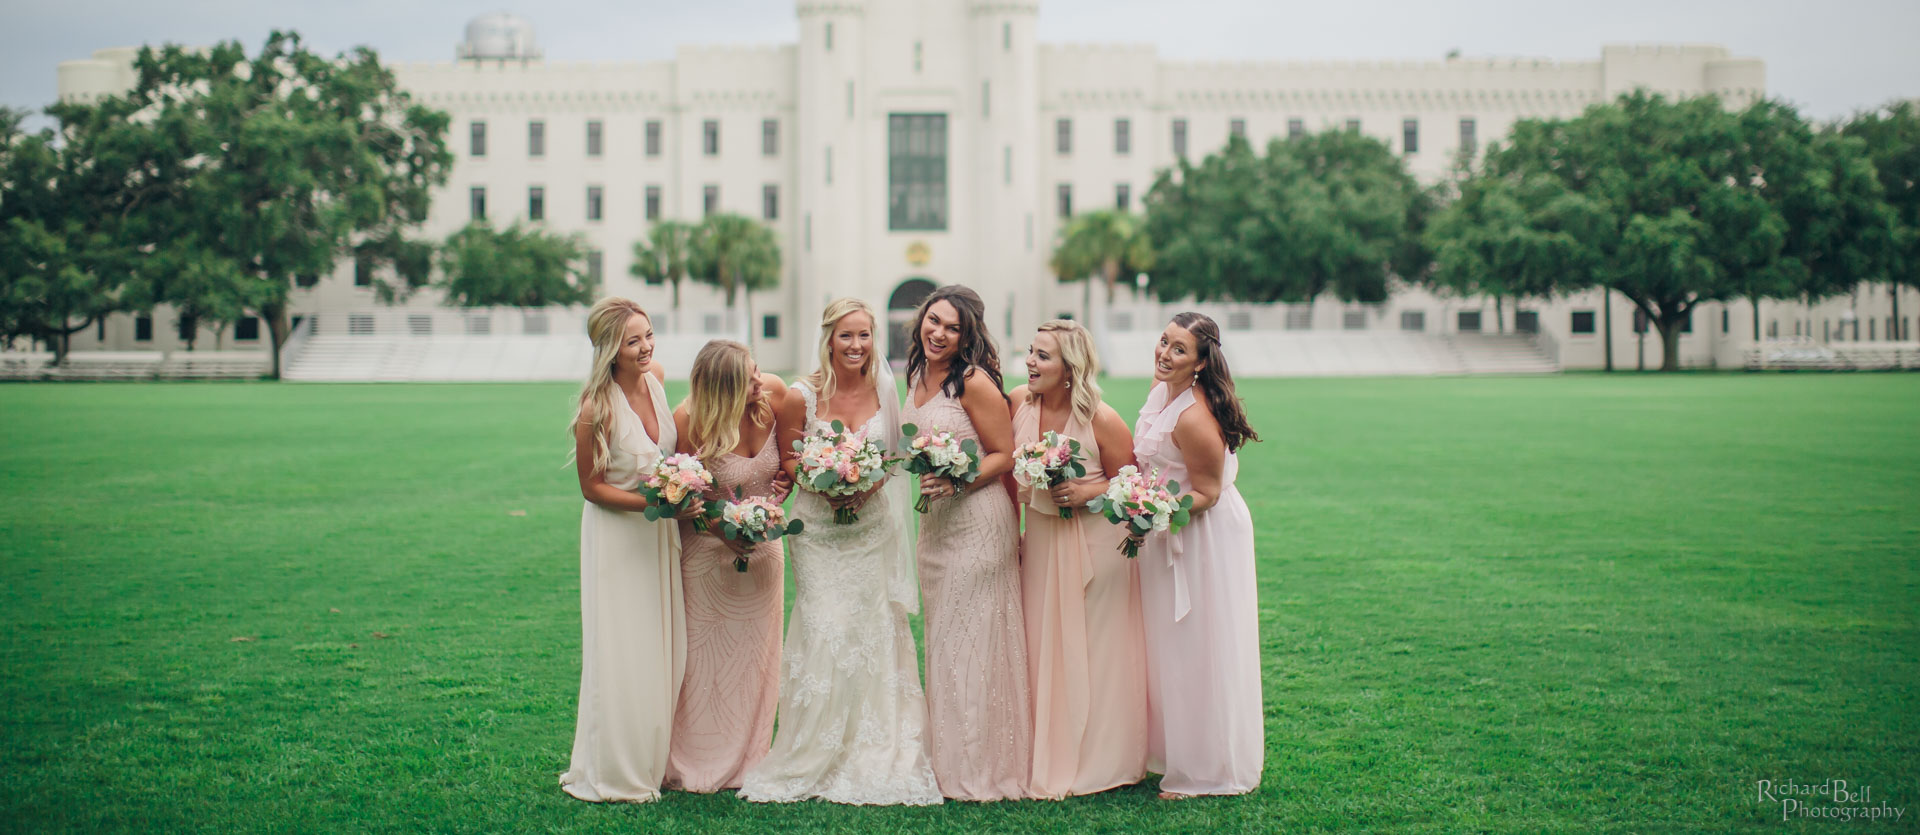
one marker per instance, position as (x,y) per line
(1086,302)
(1111,272)
(1756,318)
(1499,314)
(1899,333)
(277,332)
(749,305)
(1670,341)
(1606,308)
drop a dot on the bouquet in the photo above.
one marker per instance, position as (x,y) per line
(840,463)
(1143,503)
(1049,461)
(941,454)
(677,482)
(756,520)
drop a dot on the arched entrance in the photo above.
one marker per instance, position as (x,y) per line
(905,300)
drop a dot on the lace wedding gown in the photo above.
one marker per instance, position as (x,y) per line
(852,719)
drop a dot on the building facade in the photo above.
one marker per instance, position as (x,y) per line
(902,145)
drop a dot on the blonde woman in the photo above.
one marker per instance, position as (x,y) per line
(1086,650)
(725,719)
(633,641)
(852,714)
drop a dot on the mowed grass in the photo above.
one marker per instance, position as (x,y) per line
(1551,604)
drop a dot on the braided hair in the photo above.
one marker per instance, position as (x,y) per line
(1216,381)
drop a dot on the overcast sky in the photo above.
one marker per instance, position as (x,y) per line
(1830,57)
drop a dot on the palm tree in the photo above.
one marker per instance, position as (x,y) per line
(735,252)
(1106,242)
(666,259)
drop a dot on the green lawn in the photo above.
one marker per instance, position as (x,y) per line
(1570,603)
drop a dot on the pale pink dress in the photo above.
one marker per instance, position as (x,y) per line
(1197,588)
(1086,653)
(725,720)
(977,701)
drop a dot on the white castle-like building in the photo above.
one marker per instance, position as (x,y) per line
(904,144)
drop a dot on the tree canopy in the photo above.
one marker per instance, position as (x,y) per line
(518,266)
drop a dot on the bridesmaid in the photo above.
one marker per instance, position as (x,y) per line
(1205,725)
(977,701)
(632,638)
(725,720)
(1086,654)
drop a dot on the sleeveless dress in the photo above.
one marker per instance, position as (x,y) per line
(725,720)
(1207,733)
(852,714)
(977,698)
(1086,652)
(633,640)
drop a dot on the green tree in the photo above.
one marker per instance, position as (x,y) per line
(1105,242)
(734,253)
(1513,237)
(664,256)
(1890,137)
(282,163)
(517,266)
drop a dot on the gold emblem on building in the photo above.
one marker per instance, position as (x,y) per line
(918,253)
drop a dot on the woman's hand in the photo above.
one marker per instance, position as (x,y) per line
(853,501)
(937,486)
(782,486)
(1074,494)
(739,547)
(697,507)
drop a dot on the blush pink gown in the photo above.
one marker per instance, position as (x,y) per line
(1206,726)
(724,723)
(977,702)
(1086,654)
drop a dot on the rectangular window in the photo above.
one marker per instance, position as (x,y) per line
(1063,136)
(1410,136)
(1123,136)
(1773,329)
(1239,320)
(829,165)
(1123,197)
(1468,321)
(594,129)
(1639,320)
(1006,37)
(595,200)
(653,137)
(1300,317)
(710,137)
(770,202)
(1296,128)
(596,267)
(536,203)
(1180,137)
(770,326)
(1726,321)
(1353,125)
(849,98)
(1686,325)
(917,171)
(769,137)
(536,139)
(188,327)
(419,325)
(306,280)
(362,271)
(477,203)
(247,329)
(477,139)
(1413,320)
(1065,195)
(1237,127)
(653,203)
(1582,322)
(1006,165)
(143,329)
(829,36)
(1353,320)
(1526,321)
(1469,137)
(709,200)
(986,99)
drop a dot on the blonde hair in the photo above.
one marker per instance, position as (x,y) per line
(822,379)
(606,323)
(1083,366)
(717,400)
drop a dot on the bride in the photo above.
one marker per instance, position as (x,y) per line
(852,719)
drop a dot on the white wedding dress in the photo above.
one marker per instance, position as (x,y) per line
(852,718)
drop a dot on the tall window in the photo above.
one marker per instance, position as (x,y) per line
(143,329)
(1580,321)
(1064,196)
(1006,165)
(1296,128)
(594,128)
(1122,136)
(1238,127)
(986,99)
(917,171)
(536,203)
(653,137)
(595,200)
(709,199)
(1179,137)
(536,139)
(1123,197)
(1006,37)
(1467,321)
(362,272)
(1469,136)
(1353,125)
(1063,136)
(477,139)
(247,329)
(769,137)
(829,36)
(1410,136)
(653,203)
(770,202)
(710,137)
(477,203)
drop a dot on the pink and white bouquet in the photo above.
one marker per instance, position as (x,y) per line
(840,463)
(942,454)
(754,519)
(1046,463)
(1143,503)
(678,481)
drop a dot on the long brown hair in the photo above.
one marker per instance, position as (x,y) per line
(976,349)
(1216,381)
